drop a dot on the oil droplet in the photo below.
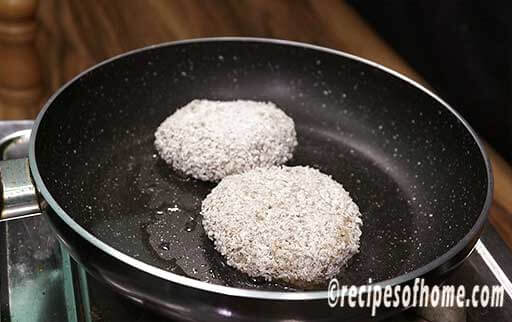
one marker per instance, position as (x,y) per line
(173,209)
(190,225)
(165,245)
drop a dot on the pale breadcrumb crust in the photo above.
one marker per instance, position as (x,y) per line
(293,224)
(209,140)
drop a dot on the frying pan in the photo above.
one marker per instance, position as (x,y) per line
(415,168)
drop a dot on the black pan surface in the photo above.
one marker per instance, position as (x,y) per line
(414,169)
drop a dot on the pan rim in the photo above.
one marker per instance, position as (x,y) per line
(249,293)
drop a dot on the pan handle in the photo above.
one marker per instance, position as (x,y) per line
(19,195)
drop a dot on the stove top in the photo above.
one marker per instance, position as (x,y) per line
(40,282)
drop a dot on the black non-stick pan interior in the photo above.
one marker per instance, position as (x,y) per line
(413,168)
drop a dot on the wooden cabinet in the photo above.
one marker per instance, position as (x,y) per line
(20,67)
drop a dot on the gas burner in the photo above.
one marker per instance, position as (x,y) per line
(41,282)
